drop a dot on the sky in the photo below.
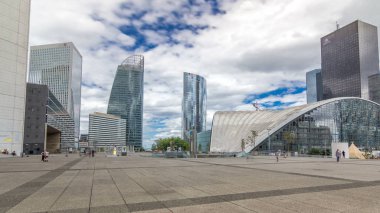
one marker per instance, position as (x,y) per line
(247,50)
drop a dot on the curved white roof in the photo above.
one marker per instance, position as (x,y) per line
(228,128)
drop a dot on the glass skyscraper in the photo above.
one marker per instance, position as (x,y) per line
(59,66)
(14,38)
(193,104)
(314,86)
(127,95)
(349,55)
(374,87)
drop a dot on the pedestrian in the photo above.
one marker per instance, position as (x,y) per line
(46,156)
(43,156)
(93,153)
(278,153)
(337,154)
(344,154)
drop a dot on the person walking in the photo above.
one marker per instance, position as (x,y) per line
(43,156)
(337,154)
(92,153)
(344,154)
(278,153)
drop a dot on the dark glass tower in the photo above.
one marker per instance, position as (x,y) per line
(349,56)
(193,104)
(127,95)
(374,87)
(314,86)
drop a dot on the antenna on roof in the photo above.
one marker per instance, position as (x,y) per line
(256,106)
(337,25)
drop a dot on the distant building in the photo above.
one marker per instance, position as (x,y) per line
(127,98)
(83,138)
(349,55)
(48,126)
(106,130)
(374,87)
(314,86)
(193,104)
(203,141)
(59,66)
(14,38)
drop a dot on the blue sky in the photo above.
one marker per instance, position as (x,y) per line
(248,50)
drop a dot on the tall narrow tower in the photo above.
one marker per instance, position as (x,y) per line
(127,96)
(193,104)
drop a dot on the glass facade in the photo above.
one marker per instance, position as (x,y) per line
(374,88)
(59,66)
(193,104)
(203,141)
(106,130)
(314,86)
(127,95)
(349,55)
(14,38)
(349,120)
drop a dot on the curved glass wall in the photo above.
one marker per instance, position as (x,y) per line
(126,99)
(349,120)
(193,104)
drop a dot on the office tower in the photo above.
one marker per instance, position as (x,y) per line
(127,95)
(48,126)
(349,56)
(314,86)
(193,105)
(374,87)
(14,38)
(59,66)
(106,130)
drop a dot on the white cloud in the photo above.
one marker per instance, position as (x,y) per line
(255,47)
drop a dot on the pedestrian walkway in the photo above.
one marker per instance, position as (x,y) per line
(139,183)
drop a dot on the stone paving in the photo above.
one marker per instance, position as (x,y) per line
(140,183)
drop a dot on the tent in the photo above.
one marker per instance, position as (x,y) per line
(355,152)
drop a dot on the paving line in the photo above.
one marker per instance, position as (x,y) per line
(13,197)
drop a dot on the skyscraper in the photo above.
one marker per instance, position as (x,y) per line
(59,66)
(193,104)
(127,95)
(314,86)
(349,56)
(14,35)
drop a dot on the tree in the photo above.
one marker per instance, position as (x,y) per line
(154,147)
(173,142)
(252,138)
(289,137)
(199,148)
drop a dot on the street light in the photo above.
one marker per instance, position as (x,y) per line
(268,140)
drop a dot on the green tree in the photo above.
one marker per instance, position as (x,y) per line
(173,142)
(289,137)
(154,147)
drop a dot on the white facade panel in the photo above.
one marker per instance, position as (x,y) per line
(14,23)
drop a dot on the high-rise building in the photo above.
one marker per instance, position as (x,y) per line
(59,66)
(193,104)
(48,126)
(374,87)
(314,86)
(349,55)
(106,130)
(14,38)
(127,96)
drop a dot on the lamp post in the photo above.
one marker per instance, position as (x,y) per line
(268,141)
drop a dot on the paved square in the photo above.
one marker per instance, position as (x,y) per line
(140,183)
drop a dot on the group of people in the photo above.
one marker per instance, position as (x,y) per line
(339,154)
(44,156)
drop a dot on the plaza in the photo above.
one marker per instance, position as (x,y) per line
(140,183)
